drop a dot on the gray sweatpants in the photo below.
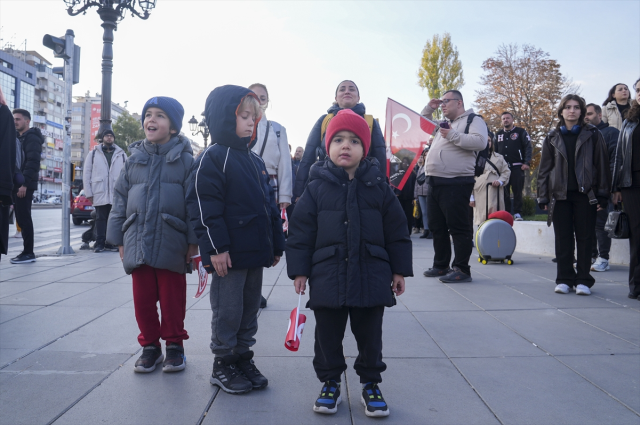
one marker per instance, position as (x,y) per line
(235,301)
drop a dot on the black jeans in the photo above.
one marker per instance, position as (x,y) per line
(573,221)
(631,199)
(515,183)
(102,215)
(448,213)
(366,325)
(600,240)
(23,217)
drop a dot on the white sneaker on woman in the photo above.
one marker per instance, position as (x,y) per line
(562,288)
(582,290)
(600,265)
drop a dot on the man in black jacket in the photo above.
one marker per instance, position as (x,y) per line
(514,144)
(31,140)
(601,242)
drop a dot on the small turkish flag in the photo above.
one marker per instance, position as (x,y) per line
(285,223)
(296,326)
(407,133)
(203,276)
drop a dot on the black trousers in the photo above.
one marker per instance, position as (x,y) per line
(515,183)
(631,199)
(102,215)
(23,217)
(448,213)
(366,325)
(407,207)
(573,221)
(600,240)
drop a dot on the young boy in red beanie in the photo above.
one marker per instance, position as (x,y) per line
(348,236)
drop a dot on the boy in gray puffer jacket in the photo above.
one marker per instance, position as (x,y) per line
(150,225)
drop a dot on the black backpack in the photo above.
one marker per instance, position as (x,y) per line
(482,157)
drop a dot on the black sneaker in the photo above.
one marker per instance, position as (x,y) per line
(151,356)
(98,248)
(263,302)
(109,247)
(24,258)
(456,276)
(228,377)
(425,234)
(329,398)
(248,367)
(374,404)
(175,360)
(436,272)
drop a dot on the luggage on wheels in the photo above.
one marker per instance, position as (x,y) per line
(495,239)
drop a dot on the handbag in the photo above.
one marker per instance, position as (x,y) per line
(617,225)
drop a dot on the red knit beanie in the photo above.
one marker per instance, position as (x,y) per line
(348,120)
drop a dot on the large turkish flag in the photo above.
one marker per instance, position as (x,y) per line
(407,133)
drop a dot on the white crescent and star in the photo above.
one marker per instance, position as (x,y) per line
(404,117)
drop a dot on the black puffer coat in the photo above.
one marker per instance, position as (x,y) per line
(32,141)
(348,237)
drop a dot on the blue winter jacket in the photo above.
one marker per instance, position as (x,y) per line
(231,204)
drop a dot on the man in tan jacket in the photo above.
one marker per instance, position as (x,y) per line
(450,170)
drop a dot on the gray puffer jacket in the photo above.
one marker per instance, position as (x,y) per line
(149,214)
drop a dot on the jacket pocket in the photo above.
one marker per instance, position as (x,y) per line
(326,283)
(378,252)
(128,222)
(379,276)
(322,254)
(245,234)
(175,222)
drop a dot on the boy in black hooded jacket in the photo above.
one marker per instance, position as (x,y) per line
(349,237)
(234,215)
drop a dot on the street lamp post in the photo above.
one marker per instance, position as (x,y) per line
(200,128)
(111,12)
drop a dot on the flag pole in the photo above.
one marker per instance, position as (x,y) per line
(295,332)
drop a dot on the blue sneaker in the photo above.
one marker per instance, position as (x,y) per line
(374,404)
(329,398)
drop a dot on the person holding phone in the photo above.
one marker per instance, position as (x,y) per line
(450,170)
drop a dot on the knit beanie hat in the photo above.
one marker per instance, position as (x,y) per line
(348,120)
(170,106)
(109,132)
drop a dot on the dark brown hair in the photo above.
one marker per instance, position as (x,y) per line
(612,91)
(563,103)
(633,114)
(23,112)
(596,108)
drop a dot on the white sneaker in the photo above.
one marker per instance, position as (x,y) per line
(601,265)
(562,288)
(582,290)
(18,235)
(517,217)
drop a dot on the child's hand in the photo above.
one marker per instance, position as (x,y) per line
(121,249)
(398,284)
(191,252)
(300,283)
(221,262)
(276,261)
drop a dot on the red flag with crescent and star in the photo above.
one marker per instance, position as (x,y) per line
(407,133)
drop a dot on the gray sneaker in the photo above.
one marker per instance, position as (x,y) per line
(600,265)
(151,356)
(228,377)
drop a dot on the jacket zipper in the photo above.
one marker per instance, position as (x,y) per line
(264,203)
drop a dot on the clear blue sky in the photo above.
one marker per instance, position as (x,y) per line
(302,50)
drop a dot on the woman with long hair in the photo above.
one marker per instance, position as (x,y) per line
(573,183)
(616,106)
(626,186)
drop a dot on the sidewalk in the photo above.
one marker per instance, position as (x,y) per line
(504,349)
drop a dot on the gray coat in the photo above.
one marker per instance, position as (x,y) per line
(149,214)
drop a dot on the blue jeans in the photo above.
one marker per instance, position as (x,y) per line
(423,207)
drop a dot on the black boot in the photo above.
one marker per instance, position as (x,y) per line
(250,371)
(425,234)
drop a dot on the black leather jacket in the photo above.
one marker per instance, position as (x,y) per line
(622,165)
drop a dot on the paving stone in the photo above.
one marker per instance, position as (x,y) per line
(11,287)
(105,296)
(618,321)
(7,273)
(100,275)
(8,355)
(433,297)
(496,296)
(10,312)
(540,390)
(474,334)
(48,294)
(51,275)
(51,362)
(438,395)
(560,334)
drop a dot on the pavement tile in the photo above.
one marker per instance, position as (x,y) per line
(288,399)
(545,293)
(7,273)
(51,275)
(100,275)
(618,375)
(48,294)
(402,336)
(147,398)
(540,390)
(622,322)
(431,296)
(52,362)
(104,295)
(474,334)
(12,287)
(8,355)
(496,296)
(422,391)
(44,325)
(559,333)
(10,312)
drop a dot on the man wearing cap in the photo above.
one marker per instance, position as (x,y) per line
(102,167)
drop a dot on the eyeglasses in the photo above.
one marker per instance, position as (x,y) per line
(445,101)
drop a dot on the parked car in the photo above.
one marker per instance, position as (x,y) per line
(81,210)
(53,200)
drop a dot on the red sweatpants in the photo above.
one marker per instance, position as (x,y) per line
(151,285)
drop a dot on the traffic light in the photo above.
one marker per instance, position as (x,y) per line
(58,45)
(66,49)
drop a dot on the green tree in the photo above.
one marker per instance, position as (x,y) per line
(440,69)
(127,130)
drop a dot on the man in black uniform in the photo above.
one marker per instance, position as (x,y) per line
(514,144)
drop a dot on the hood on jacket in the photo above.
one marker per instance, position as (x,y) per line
(172,149)
(33,131)
(220,116)
(368,172)
(358,109)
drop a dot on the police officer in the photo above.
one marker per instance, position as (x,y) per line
(514,144)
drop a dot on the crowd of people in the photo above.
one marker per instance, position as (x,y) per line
(349,230)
